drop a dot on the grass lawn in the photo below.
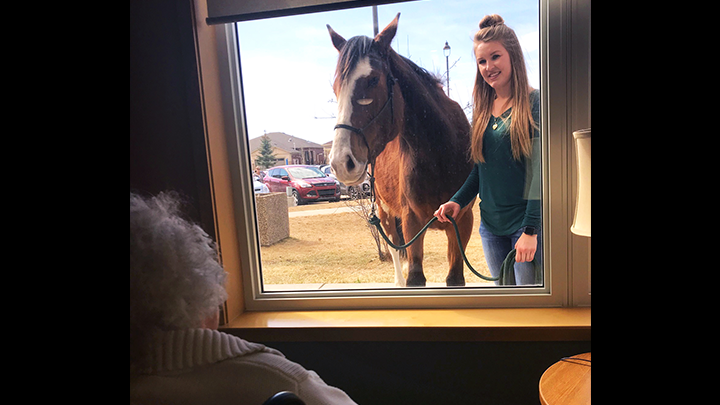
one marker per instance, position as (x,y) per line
(339,248)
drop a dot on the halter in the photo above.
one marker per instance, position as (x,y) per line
(361,131)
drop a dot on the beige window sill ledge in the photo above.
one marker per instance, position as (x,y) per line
(496,324)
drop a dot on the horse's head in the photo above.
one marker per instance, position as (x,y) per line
(364,89)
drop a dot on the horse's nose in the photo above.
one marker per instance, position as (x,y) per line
(350,163)
(338,165)
(345,164)
(345,167)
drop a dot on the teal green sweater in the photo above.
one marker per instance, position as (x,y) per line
(509,190)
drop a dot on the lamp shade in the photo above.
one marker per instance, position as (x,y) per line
(581,224)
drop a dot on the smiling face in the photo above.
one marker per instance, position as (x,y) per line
(493,62)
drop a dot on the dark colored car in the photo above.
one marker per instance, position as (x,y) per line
(361,190)
(308,183)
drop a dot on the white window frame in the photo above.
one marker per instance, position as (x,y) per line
(560,288)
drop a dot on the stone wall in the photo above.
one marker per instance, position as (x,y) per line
(272,215)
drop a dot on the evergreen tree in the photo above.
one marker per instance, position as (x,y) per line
(266,158)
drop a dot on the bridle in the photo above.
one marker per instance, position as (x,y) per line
(361,131)
(390,80)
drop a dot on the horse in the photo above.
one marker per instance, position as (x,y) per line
(394,117)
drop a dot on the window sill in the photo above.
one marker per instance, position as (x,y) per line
(496,324)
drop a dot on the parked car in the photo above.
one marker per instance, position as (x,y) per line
(361,190)
(308,183)
(259,187)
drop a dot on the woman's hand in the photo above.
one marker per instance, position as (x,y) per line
(525,248)
(449,208)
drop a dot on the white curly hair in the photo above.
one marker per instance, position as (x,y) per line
(175,279)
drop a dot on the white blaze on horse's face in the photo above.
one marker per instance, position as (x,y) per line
(349,168)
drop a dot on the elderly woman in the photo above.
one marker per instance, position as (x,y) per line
(177,355)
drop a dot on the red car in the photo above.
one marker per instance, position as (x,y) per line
(308,183)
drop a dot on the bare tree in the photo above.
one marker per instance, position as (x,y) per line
(362,206)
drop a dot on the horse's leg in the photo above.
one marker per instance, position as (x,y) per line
(455,275)
(389,225)
(399,279)
(411,226)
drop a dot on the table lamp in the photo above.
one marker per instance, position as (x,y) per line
(581,224)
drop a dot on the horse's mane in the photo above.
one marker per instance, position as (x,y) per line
(434,125)
(429,79)
(355,48)
(359,46)
(421,90)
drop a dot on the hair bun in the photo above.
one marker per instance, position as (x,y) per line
(491,21)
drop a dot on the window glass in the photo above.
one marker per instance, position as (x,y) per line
(308,172)
(288,67)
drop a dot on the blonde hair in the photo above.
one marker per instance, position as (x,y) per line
(493,28)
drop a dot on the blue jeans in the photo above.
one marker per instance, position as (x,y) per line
(496,249)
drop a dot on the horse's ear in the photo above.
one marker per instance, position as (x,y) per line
(385,37)
(337,40)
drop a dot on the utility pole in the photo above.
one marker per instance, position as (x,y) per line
(375,21)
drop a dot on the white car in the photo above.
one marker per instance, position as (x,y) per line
(260,188)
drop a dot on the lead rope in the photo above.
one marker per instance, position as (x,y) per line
(506,268)
(375,221)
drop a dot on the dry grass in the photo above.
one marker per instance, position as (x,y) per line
(339,248)
(321,205)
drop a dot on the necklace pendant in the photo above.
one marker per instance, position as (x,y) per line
(495,126)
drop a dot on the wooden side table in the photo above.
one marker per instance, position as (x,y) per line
(567,381)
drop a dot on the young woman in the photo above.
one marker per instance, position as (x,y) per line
(506,120)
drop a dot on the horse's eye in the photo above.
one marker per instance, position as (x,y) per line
(373,82)
(365,101)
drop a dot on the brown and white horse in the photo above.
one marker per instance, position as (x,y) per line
(395,116)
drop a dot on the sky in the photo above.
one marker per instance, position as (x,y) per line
(288,63)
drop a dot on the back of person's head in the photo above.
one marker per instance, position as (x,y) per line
(175,279)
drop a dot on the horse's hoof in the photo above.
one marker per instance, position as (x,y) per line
(455,283)
(416,280)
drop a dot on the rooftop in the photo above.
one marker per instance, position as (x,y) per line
(283,141)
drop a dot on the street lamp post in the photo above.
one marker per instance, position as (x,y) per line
(291,139)
(446,51)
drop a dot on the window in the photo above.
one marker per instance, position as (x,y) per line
(285,101)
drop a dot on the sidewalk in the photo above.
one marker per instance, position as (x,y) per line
(326,211)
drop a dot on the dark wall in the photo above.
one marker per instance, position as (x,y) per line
(167,141)
(437,373)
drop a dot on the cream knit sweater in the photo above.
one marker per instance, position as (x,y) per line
(204,366)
